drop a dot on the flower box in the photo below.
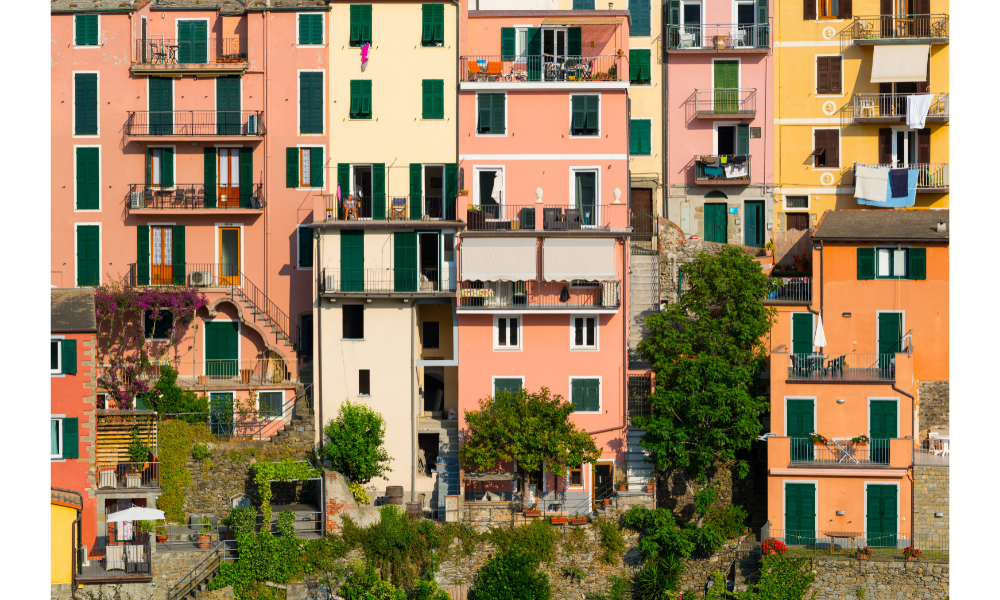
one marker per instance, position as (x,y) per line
(578,520)
(532,513)
(559,520)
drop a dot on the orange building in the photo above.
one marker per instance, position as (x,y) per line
(848,351)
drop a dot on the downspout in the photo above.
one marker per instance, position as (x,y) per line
(664,116)
(624,369)
(267,185)
(910,470)
(318,345)
(458,78)
(413,400)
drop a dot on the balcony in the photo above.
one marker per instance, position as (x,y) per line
(725,103)
(797,290)
(167,125)
(932,177)
(516,217)
(211,56)
(203,275)
(545,68)
(119,476)
(725,169)
(526,295)
(192,196)
(891,108)
(385,208)
(258,371)
(733,38)
(788,454)
(889,29)
(118,563)
(846,544)
(841,368)
(371,282)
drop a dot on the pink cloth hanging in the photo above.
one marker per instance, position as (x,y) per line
(338,192)
(364,52)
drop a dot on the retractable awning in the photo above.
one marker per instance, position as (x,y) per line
(900,63)
(582,20)
(499,259)
(575,258)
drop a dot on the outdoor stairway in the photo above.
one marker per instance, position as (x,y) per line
(193,585)
(638,471)
(263,311)
(644,300)
(447,464)
(300,432)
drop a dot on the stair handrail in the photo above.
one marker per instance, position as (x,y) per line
(216,556)
(260,300)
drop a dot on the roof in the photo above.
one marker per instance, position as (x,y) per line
(73,310)
(66,497)
(223,6)
(91,6)
(883,225)
(568,16)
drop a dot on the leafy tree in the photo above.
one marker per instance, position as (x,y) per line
(510,575)
(532,429)
(357,443)
(706,351)
(168,397)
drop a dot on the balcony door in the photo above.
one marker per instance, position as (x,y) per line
(881,515)
(800,514)
(161,106)
(229,177)
(746,20)
(222,348)
(229,256)
(434,191)
(554,44)
(890,339)
(429,260)
(800,422)
(192,41)
(227,105)
(161,243)
(904,147)
(727,83)
(490,193)
(691,24)
(585,199)
(882,427)
(362,188)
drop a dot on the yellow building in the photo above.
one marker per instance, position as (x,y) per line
(65,507)
(646,110)
(841,87)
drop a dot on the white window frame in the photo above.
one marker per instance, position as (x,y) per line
(99,36)
(281,400)
(347,339)
(892,263)
(784,495)
(684,3)
(506,113)
(326,157)
(840,146)
(298,101)
(555,36)
(59,365)
(786,208)
(600,107)
(520,333)
(816,75)
(520,54)
(322,44)
(899,517)
(73,108)
(572,332)
(61,438)
(600,394)
(583,478)
(476,170)
(715,135)
(784,425)
(493,382)
(897,152)
(298,248)
(736,11)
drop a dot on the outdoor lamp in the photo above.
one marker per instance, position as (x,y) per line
(538,195)
(617,194)
(841,400)
(840,513)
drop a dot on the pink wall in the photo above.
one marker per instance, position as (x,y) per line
(484,34)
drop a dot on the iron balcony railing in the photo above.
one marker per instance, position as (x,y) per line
(842,367)
(725,101)
(388,208)
(128,475)
(248,371)
(426,280)
(166,51)
(508,217)
(543,67)
(886,546)
(797,290)
(195,123)
(929,457)
(193,196)
(719,37)
(930,176)
(489,295)
(840,452)
(899,27)
(893,106)
(722,169)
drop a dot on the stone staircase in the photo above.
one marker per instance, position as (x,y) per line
(274,320)
(644,300)
(638,471)
(447,464)
(300,432)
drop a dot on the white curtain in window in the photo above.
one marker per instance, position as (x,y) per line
(522,42)
(306,155)
(168,244)
(234,161)
(155,168)
(157,242)
(883,263)
(899,263)
(55,437)
(223,167)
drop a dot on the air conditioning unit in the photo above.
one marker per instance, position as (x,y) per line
(136,199)
(329,284)
(200,278)
(252,125)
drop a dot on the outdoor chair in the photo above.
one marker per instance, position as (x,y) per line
(106,478)
(573,220)
(135,559)
(397,211)
(114,557)
(553,218)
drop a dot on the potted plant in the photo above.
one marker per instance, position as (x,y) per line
(650,486)
(801,263)
(161,534)
(528,512)
(245,375)
(144,528)
(204,532)
(864,553)
(621,482)
(861,439)
(912,553)
(769,248)
(203,380)
(576,519)
(818,439)
(463,192)
(477,220)
(558,520)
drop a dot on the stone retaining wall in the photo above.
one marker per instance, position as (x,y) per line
(933,407)
(840,579)
(167,567)
(930,495)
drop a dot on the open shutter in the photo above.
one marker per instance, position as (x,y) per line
(574,41)
(534,36)
(593,105)
(884,145)
(508,45)
(743,138)
(211,189)
(344,182)
(866,263)
(416,191)
(178,254)
(846,9)
(918,263)
(925,86)
(485,102)
(450,190)
(835,66)
(142,254)
(246,178)
(355,38)
(69,357)
(577,394)
(762,12)
(167,173)
(923,145)
(427,23)
(498,120)
(291,167)
(822,74)
(832,148)
(71,435)
(819,147)
(633,66)
(809,10)
(405,261)
(305,247)
(378,191)
(149,164)
(316,167)
(579,114)
(366,98)
(644,70)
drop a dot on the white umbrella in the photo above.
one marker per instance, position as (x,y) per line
(819,339)
(136,513)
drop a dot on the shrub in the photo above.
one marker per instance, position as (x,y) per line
(359,493)
(363,583)
(243,520)
(619,588)
(168,397)
(467,539)
(286,523)
(357,443)
(510,575)
(658,578)
(659,532)
(536,541)
(400,547)
(428,590)
(200,451)
(728,520)
(781,578)
(319,556)
(612,541)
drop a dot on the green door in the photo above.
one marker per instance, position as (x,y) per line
(534,53)
(161,106)
(799,425)
(222,340)
(802,333)
(890,334)
(727,82)
(882,418)
(586,198)
(753,224)
(881,515)
(352,260)
(192,41)
(88,255)
(227,105)
(715,223)
(405,261)
(221,414)
(800,514)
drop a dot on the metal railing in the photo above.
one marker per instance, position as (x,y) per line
(543,67)
(937,454)
(219,554)
(193,196)
(797,289)
(725,101)
(639,391)
(723,168)
(539,294)
(886,546)
(840,452)
(897,27)
(845,367)
(718,37)
(195,123)
(388,208)
(128,475)
(248,371)
(226,421)
(884,106)
(166,51)
(511,217)
(385,281)
(930,176)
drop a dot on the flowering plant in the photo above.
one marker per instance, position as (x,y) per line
(911,552)
(861,439)
(866,551)
(801,259)
(818,439)
(773,546)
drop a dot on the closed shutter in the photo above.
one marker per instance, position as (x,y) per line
(68,349)
(809,10)
(344,183)
(161,106)
(211,190)
(917,268)
(583,4)
(88,180)
(86,103)
(645,75)
(227,106)
(890,332)
(802,333)
(866,263)
(426,23)
(633,66)
(743,139)
(882,515)
(923,146)
(167,171)
(86,30)
(305,247)
(885,146)
(432,24)
(823,74)
(800,418)
(640,136)
(586,395)
(579,115)
(512,385)
(71,437)
(291,167)
(416,191)
(221,348)
(179,253)
(246,178)
(352,260)
(310,29)
(508,44)
(433,99)
(311,102)
(498,120)
(832,148)
(316,167)
(405,261)
(800,511)
(846,9)
(361,24)
(574,41)
(192,41)
(534,36)
(639,10)
(588,113)
(378,191)
(450,190)
(88,255)
(142,254)
(485,112)
(836,64)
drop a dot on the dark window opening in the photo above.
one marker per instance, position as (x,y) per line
(364,382)
(431,335)
(157,329)
(354,322)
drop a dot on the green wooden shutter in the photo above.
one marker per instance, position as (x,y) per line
(378,191)
(221,348)
(640,17)
(802,333)
(71,437)
(593,105)
(88,180)
(497,108)
(355,98)
(646,141)
(310,29)
(86,103)
(184,41)
(291,167)
(178,254)
(167,173)
(890,332)
(640,132)
(866,263)
(86,30)
(305,247)
(882,419)
(199,37)
(211,188)
(361,24)
(366,99)
(433,99)
(644,70)
(68,357)
(450,190)
(344,181)
(574,41)
(142,254)
(246,178)
(583,4)
(316,167)
(633,66)
(485,102)
(405,261)
(577,394)
(352,260)
(579,112)
(311,102)
(228,104)
(161,106)
(673,23)
(88,255)
(316,29)
(416,191)
(438,24)
(882,515)
(799,421)
(508,43)
(355,37)
(743,138)
(534,36)
(149,165)
(917,268)
(638,66)
(432,24)
(593,387)
(506,384)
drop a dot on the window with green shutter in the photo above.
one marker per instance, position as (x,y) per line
(492,114)
(640,137)
(433,98)
(638,67)
(311,29)
(892,263)
(304,167)
(586,394)
(88,259)
(68,360)
(361,25)
(583,4)
(639,9)
(361,98)
(88,178)
(584,115)
(85,99)
(866,263)
(511,385)
(432,25)
(311,102)
(192,41)
(305,258)
(86,30)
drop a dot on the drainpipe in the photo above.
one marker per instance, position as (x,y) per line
(911,478)
(318,345)
(664,116)
(413,399)
(458,78)
(76,532)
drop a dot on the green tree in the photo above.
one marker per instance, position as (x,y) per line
(532,429)
(510,575)
(357,443)
(781,578)
(168,397)
(706,351)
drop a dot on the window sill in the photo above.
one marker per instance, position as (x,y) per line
(58,459)
(310,45)
(58,374)
(587,412)
(826,168)
(432,118)
(495,135)
(352,339)
(359,118)
(310,133)
(507,349)
(585,136)
(841,95)
(432,45)
(309,189)
(584,349)
(364,395)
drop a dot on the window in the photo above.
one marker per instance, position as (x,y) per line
(576,477)
(585,393)
(305,253)
(584,117)
(513,385)
(797,202)
(55,435)
(64,438)
(583,4)
(638,67)
(828,75)
(55,363)
(88,255)
(640,137)
(160,168)
(270,404)
(433,98)
(492,114)
(85,103)
(311,116)
(432,30)
(584,332)
(304,167)
(448,239)
(88,178)
(829,9)
(892,263)
(361,98)
(361,25)
(311,29)
(364,382)
(354,322)
(826,148)
(157,329)
(640,17)
(506,333)
(432,335)
(86,30)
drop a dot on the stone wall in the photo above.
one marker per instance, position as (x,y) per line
(933,406)
(931,495)
(840,579)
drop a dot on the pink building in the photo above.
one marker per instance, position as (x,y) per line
(543,261)
(720,166)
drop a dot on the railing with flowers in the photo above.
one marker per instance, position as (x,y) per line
(855,544)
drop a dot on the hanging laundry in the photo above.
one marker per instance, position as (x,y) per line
(734,171)
(917,107)
(897,182)
(871,183)
(887,201)
(364,53)
(739,159)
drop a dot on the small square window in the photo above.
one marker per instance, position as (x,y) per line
(576,477)
(271,403)
(157,329)
(797,202)
(506,333)
(585,115)
(431,335)
(354,321)
(364,382)
(310,29)
(584,332)
(891,263)
(449,247)
(585,393)
(55,362)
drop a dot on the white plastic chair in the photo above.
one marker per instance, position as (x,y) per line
(114,557)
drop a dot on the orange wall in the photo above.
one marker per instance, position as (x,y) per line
(484,35)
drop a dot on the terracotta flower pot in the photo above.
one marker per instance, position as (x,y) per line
(650,489)
(622,487)
(204,540)
(245,375)
(202,379)
(161,539)
(559,520)
(578,520)
(912,558)
(800,267)
(532,513)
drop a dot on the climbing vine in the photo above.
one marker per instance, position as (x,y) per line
(266,472)
(176,441)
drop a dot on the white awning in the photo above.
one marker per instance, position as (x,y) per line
(136,513)
(566,259)
(499,259)
(900,63)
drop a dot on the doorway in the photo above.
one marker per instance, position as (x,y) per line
(882,419)
(604,483)
(641,200)
(691,16)
(554,45)
(727,83)
(428,260)
(727,140)
(800,514)
(434,191)
(227,105)
(753,226)
(881,514)
(162,270)
(229,177)
(797,221)
(433,389)
(229,256)
(490,194)
(585,184)
(716,223)
(362,190)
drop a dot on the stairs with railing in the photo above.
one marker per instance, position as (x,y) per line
(192,585)
(264,311)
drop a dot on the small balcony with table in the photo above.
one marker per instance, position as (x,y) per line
(747,38)
(872,30)
(180,198)
(543,68)
(892,108)
(190,55)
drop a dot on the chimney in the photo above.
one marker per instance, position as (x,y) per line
(942,228)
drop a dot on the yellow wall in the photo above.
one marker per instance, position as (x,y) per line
(62,543)
(647,103)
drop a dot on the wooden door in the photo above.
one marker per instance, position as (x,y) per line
(890,335)
(800,514)
(222,340)
(229,177)
(797,221)
(881,515)
(229,256)
(642,213)
(160,246)
(716,223)
(604,487)
(227,106)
